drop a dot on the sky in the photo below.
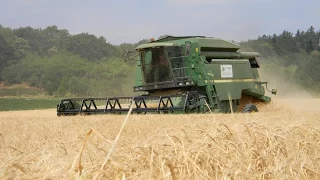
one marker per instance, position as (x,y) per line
(128,21)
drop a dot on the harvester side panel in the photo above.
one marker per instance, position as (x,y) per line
(231,77)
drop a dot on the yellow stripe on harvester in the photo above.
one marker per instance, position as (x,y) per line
(234,80)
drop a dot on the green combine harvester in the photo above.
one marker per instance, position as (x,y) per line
(191,74)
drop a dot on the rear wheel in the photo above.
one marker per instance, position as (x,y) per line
(248,108)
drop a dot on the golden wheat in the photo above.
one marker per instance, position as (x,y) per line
(278,142)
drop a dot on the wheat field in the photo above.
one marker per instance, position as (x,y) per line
(281,141)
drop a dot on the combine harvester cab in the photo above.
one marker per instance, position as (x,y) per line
(192,74)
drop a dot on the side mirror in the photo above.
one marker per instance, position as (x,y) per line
(127,55)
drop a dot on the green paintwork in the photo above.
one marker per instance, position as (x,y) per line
(150,45)
(202,69)
(207,42)
(230,55)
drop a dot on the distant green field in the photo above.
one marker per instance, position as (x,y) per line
(10,104)
(20,92)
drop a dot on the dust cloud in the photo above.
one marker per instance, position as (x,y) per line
(286,88)
(290,95)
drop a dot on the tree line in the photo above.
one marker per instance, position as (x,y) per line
(84,64)
(64,64)
(295,55)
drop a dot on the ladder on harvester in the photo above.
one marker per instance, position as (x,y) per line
(211,92)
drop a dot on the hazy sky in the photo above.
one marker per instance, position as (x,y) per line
(130,21)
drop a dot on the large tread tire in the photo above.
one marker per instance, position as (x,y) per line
(248,108)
